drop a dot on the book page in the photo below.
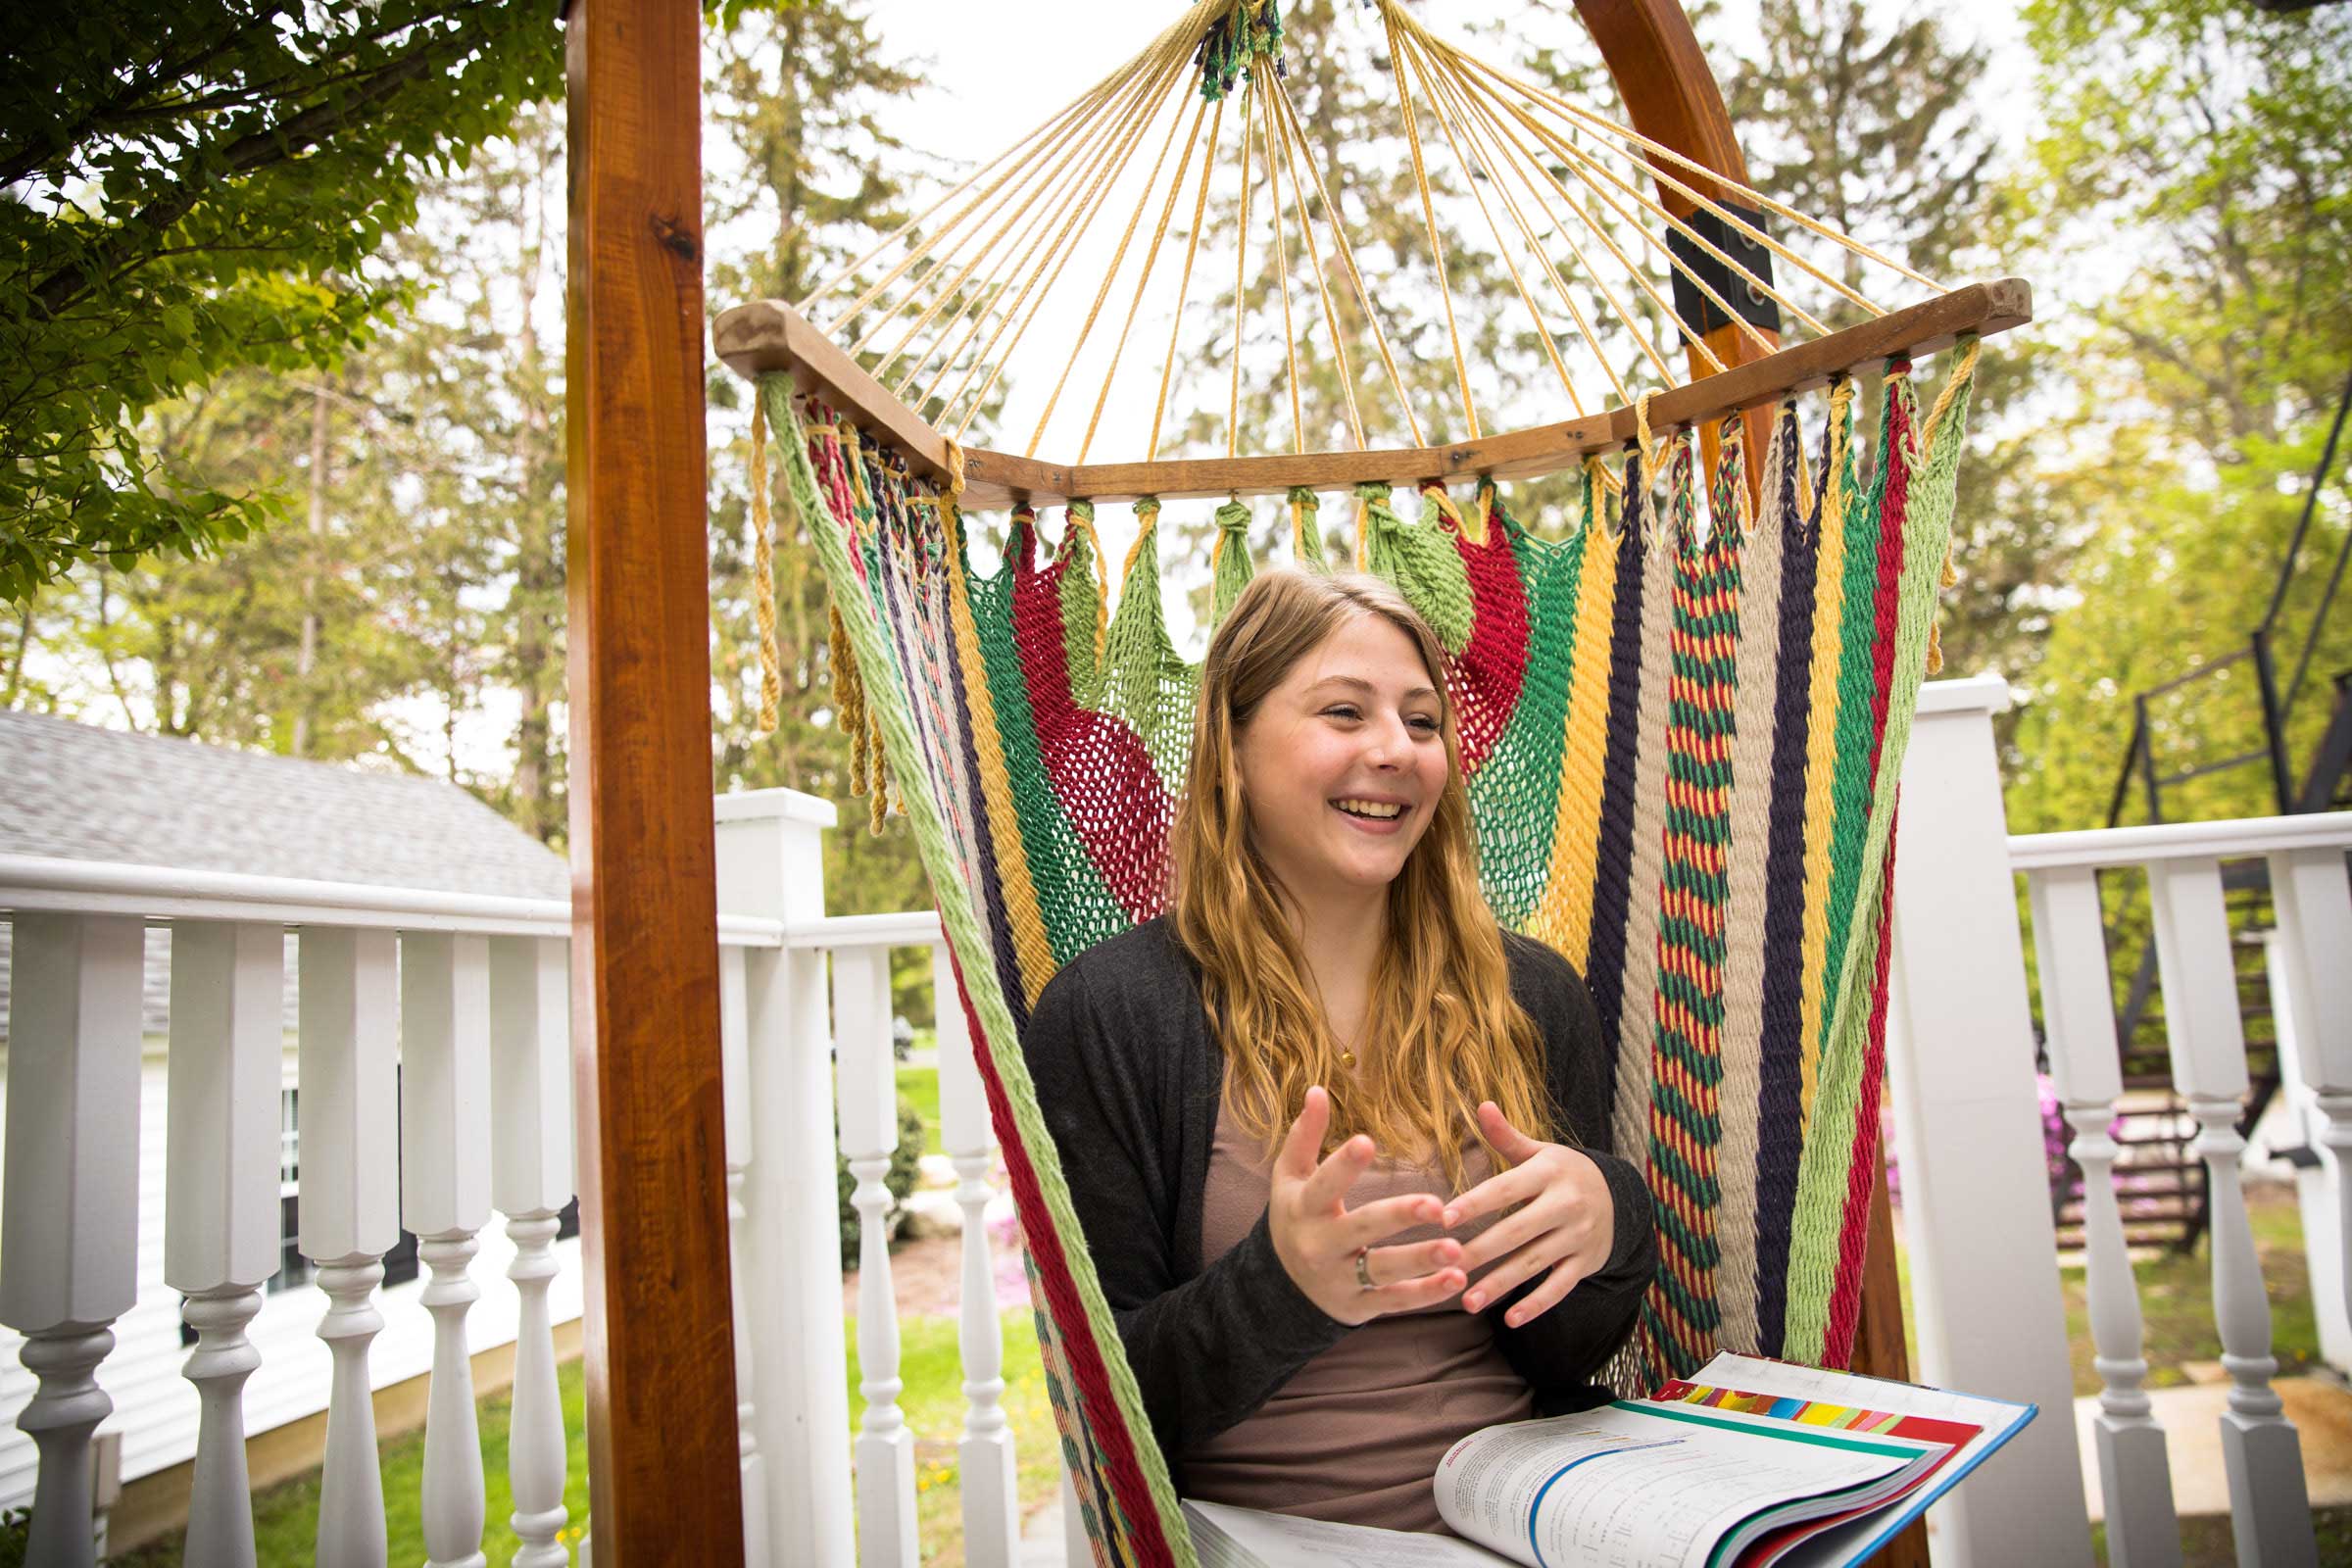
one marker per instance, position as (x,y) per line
(1996,1419)
(1245,1537)
(1624,1487)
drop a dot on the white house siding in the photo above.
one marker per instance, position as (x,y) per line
(156,1407)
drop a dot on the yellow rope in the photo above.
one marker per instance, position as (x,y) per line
(1478,136)
(1160,233)
(1438,100)
(1658,150)
(1184,284)
(1364,296)
(1134,222)
(1070,198)
(764,575)
(1625,313)
(1241,267)
(1642,442)
(1586,167)
(1429,218)
(1058,251)
(1087,150)
(1282,270)
(1315,254)
(1182,36)
(1963,369)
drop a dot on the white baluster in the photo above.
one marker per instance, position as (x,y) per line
(2270,1508)
(866,1074)
(445,1199)
(2078,1012)
(68,1218)
(349,1074)
(735,1077)
(221,1211)
(530,1099)
(2313,1008)
(984,1458)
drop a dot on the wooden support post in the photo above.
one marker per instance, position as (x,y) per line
(663,1478)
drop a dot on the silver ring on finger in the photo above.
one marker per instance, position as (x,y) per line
(1363,1269)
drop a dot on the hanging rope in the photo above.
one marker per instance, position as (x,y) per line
(763,577)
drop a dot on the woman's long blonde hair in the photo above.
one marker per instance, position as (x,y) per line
(1444,1031)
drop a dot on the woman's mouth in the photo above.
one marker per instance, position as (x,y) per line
(1369,815)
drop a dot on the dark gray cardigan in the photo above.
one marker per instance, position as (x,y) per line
(1129,1077)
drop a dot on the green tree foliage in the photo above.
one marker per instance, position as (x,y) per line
(197,185)
(2195,168)
(422,563)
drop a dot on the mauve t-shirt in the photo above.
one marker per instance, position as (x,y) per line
(1357,1432)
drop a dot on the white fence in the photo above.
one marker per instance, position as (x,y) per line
(434,1073)
(1976,1200)
(454,1009)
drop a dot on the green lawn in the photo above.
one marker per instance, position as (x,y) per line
(2175,1300)
(2206,1542)
(285,1517)
(919,1087)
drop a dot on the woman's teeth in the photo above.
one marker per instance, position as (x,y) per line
(1373,809)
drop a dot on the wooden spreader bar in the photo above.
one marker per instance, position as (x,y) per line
(757,339)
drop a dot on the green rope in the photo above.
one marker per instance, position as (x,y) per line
(1231,564)
(1822,1175)
(1306,538)
(1424,565)
(966,935)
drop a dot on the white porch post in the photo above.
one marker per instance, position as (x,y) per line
(68,1230)
(1976,1201)
(788,1276)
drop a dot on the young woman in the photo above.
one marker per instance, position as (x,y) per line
(1312,1331)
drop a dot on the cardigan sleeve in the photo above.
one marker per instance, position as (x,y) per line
(1561,1353)
(1207,1350)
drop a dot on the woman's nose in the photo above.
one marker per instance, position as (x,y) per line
(1388,743)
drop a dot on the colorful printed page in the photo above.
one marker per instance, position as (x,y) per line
(1849,1401)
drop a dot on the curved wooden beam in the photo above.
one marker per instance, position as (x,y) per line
(1671,96)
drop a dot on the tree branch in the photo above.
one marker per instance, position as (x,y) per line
(277,144)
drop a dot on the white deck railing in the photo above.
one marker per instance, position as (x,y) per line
(468,995)
(434,1069)
(1977,1210)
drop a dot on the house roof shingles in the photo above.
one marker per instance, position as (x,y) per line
(86,794)
(79,793)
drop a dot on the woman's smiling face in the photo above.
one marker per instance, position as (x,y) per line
(1343,762)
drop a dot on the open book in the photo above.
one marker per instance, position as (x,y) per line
(1750,1462)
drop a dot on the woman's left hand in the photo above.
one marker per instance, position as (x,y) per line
(1566,1223)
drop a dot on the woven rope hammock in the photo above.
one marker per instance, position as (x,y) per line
(1682,723)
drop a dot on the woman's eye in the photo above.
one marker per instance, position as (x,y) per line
(1424,724)
(1341,710)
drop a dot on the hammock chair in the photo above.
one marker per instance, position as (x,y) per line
(1681,734)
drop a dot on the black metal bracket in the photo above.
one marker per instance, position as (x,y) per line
(1738,286)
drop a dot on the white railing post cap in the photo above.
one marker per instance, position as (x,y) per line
(1980,694)
(789,806)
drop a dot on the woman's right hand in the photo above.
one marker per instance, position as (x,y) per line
(1317,1235)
